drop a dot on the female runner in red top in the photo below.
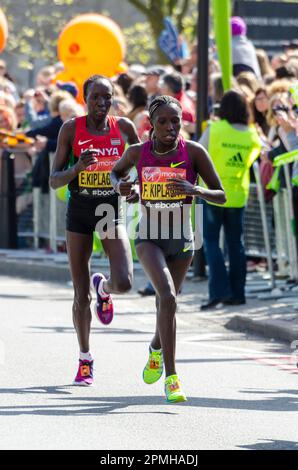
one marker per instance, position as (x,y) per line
(87,149)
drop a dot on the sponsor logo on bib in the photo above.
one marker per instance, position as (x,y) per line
(155,181)
(97,175)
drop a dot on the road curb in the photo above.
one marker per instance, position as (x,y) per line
(280,330)
(47,270)
(36,271)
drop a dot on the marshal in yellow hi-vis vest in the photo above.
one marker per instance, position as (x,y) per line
(233,152)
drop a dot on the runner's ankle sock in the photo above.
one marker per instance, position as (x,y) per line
(154,350)
(86,356)
(101,291)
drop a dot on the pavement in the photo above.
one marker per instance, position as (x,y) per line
(269,313)
(241,389)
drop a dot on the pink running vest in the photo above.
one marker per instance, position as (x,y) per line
(154,173)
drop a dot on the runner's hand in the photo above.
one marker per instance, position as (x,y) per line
(124,188)
(86,159)
(133,198)
(181,186)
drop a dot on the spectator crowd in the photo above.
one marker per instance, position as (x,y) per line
(267,86)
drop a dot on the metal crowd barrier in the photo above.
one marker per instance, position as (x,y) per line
(253,231)
(264,225)
(286,244)
(43,219)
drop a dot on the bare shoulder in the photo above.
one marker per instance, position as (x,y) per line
(199,156)
(195,149)
(69,124)
(68,129)
(128,128)
(134,151)
(125,123)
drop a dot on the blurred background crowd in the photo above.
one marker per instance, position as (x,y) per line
(263,82)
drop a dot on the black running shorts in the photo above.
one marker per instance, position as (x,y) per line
(86,215)
(172,247)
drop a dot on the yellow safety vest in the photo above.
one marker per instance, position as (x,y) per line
(233,152)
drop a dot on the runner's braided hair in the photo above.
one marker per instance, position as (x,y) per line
(156,103)
(160,101)
(93,79)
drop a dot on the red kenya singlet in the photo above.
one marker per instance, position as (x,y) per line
(95,181)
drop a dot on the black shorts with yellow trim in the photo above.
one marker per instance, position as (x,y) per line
(86,214)
(172,248)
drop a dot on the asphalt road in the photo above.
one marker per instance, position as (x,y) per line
(242,391)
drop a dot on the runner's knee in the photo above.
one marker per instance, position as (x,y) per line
(167,302)
(82,299)
(122,285)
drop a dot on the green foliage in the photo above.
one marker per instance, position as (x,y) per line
(33,30)
(182,12)
(140,47)
(34,33)
(189,25)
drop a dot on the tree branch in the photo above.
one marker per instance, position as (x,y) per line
(172,4)
(140,6)
(181,15)
(157,8)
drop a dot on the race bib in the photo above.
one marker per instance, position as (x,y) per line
(96,179)
(155,181)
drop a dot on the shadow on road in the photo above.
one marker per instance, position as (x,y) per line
(270,444)
(42,298)
(52,390)
(87,406)
(215,359)
(95,330)
(263,391)
(104,405)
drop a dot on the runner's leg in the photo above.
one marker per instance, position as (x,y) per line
(155,266)
(79,248)
(121,264)
(155,343)
(178,270)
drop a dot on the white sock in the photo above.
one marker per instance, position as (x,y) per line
(154,350)
(86,356)
(100,289)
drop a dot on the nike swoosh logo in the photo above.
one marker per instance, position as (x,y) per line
(187,248)
(173,165)
(82,142)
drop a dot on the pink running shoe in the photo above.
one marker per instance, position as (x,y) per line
(84,375)
(104,309)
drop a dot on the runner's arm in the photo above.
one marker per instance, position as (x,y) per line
(121,169)
(128,128)
(206,170)
(204,167)
(61,175)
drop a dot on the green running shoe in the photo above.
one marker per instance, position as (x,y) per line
(154,367)
(173,390)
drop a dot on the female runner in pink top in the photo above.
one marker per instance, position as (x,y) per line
(168,167)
